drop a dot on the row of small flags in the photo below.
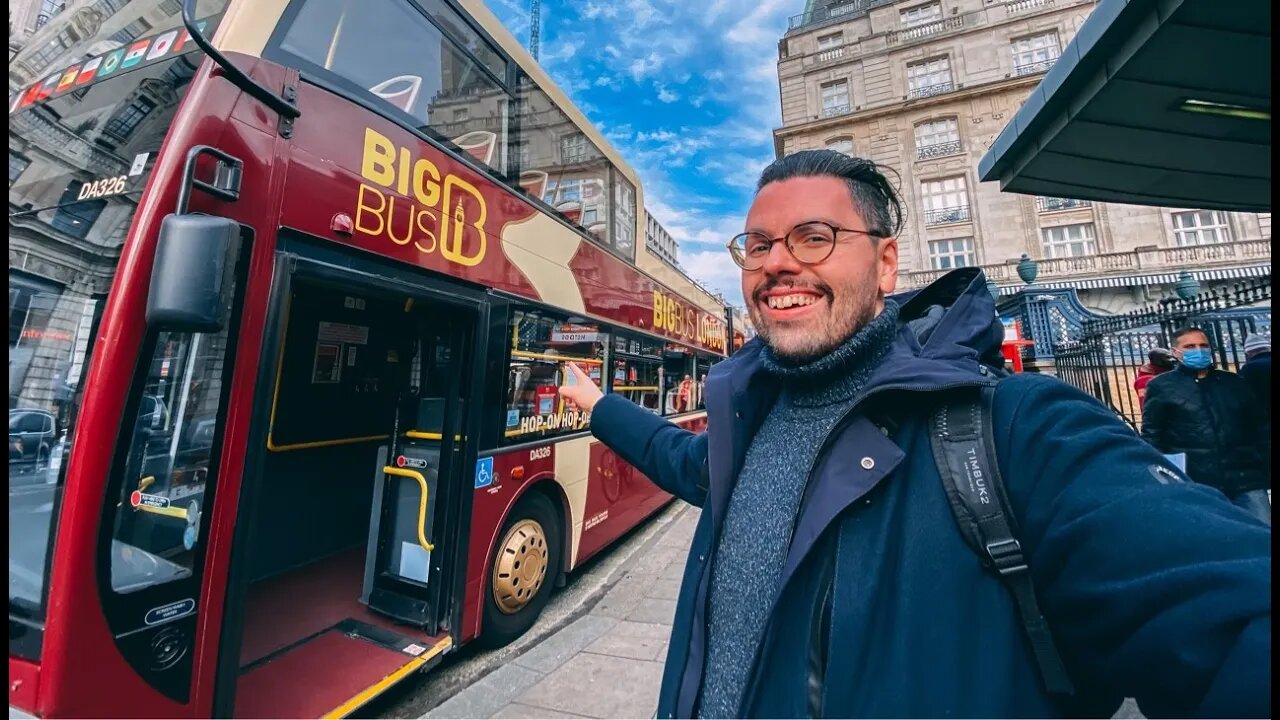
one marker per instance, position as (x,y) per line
(146,50)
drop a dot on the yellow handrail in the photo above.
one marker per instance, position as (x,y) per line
(556,358)
(422,506)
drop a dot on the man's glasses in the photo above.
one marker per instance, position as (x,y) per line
(809,243)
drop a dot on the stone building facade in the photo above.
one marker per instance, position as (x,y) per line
(924,87)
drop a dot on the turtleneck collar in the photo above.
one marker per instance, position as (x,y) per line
(840,374)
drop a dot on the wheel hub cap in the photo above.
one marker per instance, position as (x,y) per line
(521,566)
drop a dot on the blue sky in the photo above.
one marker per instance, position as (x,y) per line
(687,91)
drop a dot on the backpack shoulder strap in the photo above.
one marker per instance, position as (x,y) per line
(965,451)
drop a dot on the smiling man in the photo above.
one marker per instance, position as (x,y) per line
(828,575)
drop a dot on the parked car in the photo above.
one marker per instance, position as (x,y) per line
(32,435)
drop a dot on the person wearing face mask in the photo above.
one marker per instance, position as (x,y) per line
(1213,418)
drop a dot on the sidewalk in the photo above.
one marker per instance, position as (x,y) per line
(607,663)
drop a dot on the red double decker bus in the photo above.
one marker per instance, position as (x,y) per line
(291,289)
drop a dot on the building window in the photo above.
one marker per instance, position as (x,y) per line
(17,164)
(1035,54)
(1069,240)
(937,137)
(843,145)
(48,8)
(945,201)
(75,216)
(951,254)
(921,15)
(131,31)
(1200,227)
(521,152)
(930,77)
(43,57)
(126,119)
(624,219)
(826,42)
(573,149)
(835,98)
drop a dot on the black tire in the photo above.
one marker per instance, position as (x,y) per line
(500,627)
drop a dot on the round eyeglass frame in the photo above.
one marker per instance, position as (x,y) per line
(740,258)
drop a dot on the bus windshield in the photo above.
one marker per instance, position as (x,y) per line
(83,139)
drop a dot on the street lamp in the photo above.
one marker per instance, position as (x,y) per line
(1027,269)
(1187,286)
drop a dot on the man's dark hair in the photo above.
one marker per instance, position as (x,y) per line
(873,195)
(1183,332)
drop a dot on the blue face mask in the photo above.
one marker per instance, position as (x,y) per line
(1197,358)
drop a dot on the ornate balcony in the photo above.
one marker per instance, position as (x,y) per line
(1054,204)
(1142,261)
(834,110)
(931,90)
(1033,68)
(925,152)
(830,54)
(924,30)
(946,216)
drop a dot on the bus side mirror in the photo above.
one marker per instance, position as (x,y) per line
(191,281)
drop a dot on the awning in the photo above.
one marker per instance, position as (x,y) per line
(1154,102)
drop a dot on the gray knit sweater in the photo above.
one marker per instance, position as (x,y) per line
(766,499)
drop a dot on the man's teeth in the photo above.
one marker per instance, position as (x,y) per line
(786,301)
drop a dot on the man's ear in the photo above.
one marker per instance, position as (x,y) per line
(888,259)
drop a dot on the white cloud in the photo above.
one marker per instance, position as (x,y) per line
(714,269)
(667,95)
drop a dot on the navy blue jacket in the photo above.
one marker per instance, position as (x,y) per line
(1156,588)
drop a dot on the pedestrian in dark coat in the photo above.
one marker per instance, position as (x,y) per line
(1213,417)
(827,576)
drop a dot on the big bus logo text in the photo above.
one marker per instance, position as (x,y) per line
(678,319)
(425,211)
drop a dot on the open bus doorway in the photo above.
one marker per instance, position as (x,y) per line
(354,548)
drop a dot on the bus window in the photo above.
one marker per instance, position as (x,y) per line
(680,393)
(63,255)
(563,167)
(637,371)
(704,363)
(541,344)
(417,68)
(171,458)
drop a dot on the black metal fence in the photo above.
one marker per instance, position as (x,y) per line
(1105,360)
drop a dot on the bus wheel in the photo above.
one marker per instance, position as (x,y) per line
(526,562)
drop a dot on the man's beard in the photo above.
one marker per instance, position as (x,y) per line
(849,310)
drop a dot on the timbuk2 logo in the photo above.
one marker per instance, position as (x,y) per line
(977,479)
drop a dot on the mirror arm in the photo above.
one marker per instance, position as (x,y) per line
(280,105)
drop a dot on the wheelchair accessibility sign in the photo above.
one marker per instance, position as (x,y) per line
(484,472)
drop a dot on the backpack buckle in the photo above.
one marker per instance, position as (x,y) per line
(1006,556)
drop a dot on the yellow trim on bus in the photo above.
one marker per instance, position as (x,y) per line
(557,358)
(170,511)
(376,689)
(652,388)
(422,503)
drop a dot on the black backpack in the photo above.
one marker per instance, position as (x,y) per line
(965,452)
